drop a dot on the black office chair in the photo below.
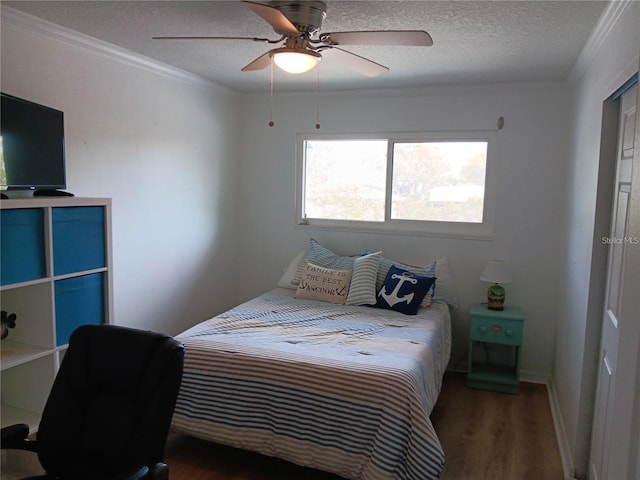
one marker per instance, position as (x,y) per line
(109,411)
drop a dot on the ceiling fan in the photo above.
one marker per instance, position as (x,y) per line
(302,46)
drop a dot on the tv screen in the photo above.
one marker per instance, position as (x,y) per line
(32,146)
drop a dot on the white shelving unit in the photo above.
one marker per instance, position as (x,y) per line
(55,274)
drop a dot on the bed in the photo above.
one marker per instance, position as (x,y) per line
(338,369)
(347,389)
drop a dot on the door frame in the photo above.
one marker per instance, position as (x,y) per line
(626,453)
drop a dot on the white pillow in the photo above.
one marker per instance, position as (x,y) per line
(293,273)
(363,282)
(426,301)
(324,284)
(445,283)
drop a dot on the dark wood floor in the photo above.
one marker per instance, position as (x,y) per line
(485,435)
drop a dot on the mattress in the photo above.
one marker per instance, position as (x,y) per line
(344,389)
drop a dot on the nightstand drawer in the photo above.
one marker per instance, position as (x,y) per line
(503,327)
(508,332)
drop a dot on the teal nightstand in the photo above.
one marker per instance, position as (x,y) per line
(500,327)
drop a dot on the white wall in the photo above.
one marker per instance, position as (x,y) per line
(190,239)
(162,145)
(532,150)
(608,61)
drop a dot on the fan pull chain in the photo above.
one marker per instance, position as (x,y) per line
(271,122)
(318,100)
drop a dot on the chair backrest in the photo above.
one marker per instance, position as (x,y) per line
(112,400)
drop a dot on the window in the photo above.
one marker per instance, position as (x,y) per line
(432,183)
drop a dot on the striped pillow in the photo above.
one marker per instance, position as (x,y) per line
(363,282)
(322,256)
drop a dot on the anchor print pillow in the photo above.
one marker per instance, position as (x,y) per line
(403,291)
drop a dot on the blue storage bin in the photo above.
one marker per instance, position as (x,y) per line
(22,253)
(78,239)
(79,301)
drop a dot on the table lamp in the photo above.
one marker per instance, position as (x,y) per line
(496,273)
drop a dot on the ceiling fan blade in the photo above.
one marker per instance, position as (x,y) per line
(255,39)
(273,16)
(259,63)
(356,62)
(416,38)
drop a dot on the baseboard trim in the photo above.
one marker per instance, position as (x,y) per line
(534,377)
(561,435)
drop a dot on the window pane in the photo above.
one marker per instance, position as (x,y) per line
(439,181)
(345,179)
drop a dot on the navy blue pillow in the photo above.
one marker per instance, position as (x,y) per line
(403,291)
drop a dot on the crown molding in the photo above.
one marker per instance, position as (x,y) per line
(72,37)
(606,23)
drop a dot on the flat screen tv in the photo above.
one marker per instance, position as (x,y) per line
(32,146)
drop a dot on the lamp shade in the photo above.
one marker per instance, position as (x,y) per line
(294,60)
(495,272)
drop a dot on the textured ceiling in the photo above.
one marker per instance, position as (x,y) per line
(474,41)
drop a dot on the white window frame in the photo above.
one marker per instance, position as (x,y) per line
(482,230)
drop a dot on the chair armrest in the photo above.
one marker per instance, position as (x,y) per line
(15,437)
(160,471)
(96,472)
(139,472)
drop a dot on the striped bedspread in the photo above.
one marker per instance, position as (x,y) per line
(343,389)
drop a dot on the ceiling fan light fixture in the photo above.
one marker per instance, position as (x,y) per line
(295,61)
